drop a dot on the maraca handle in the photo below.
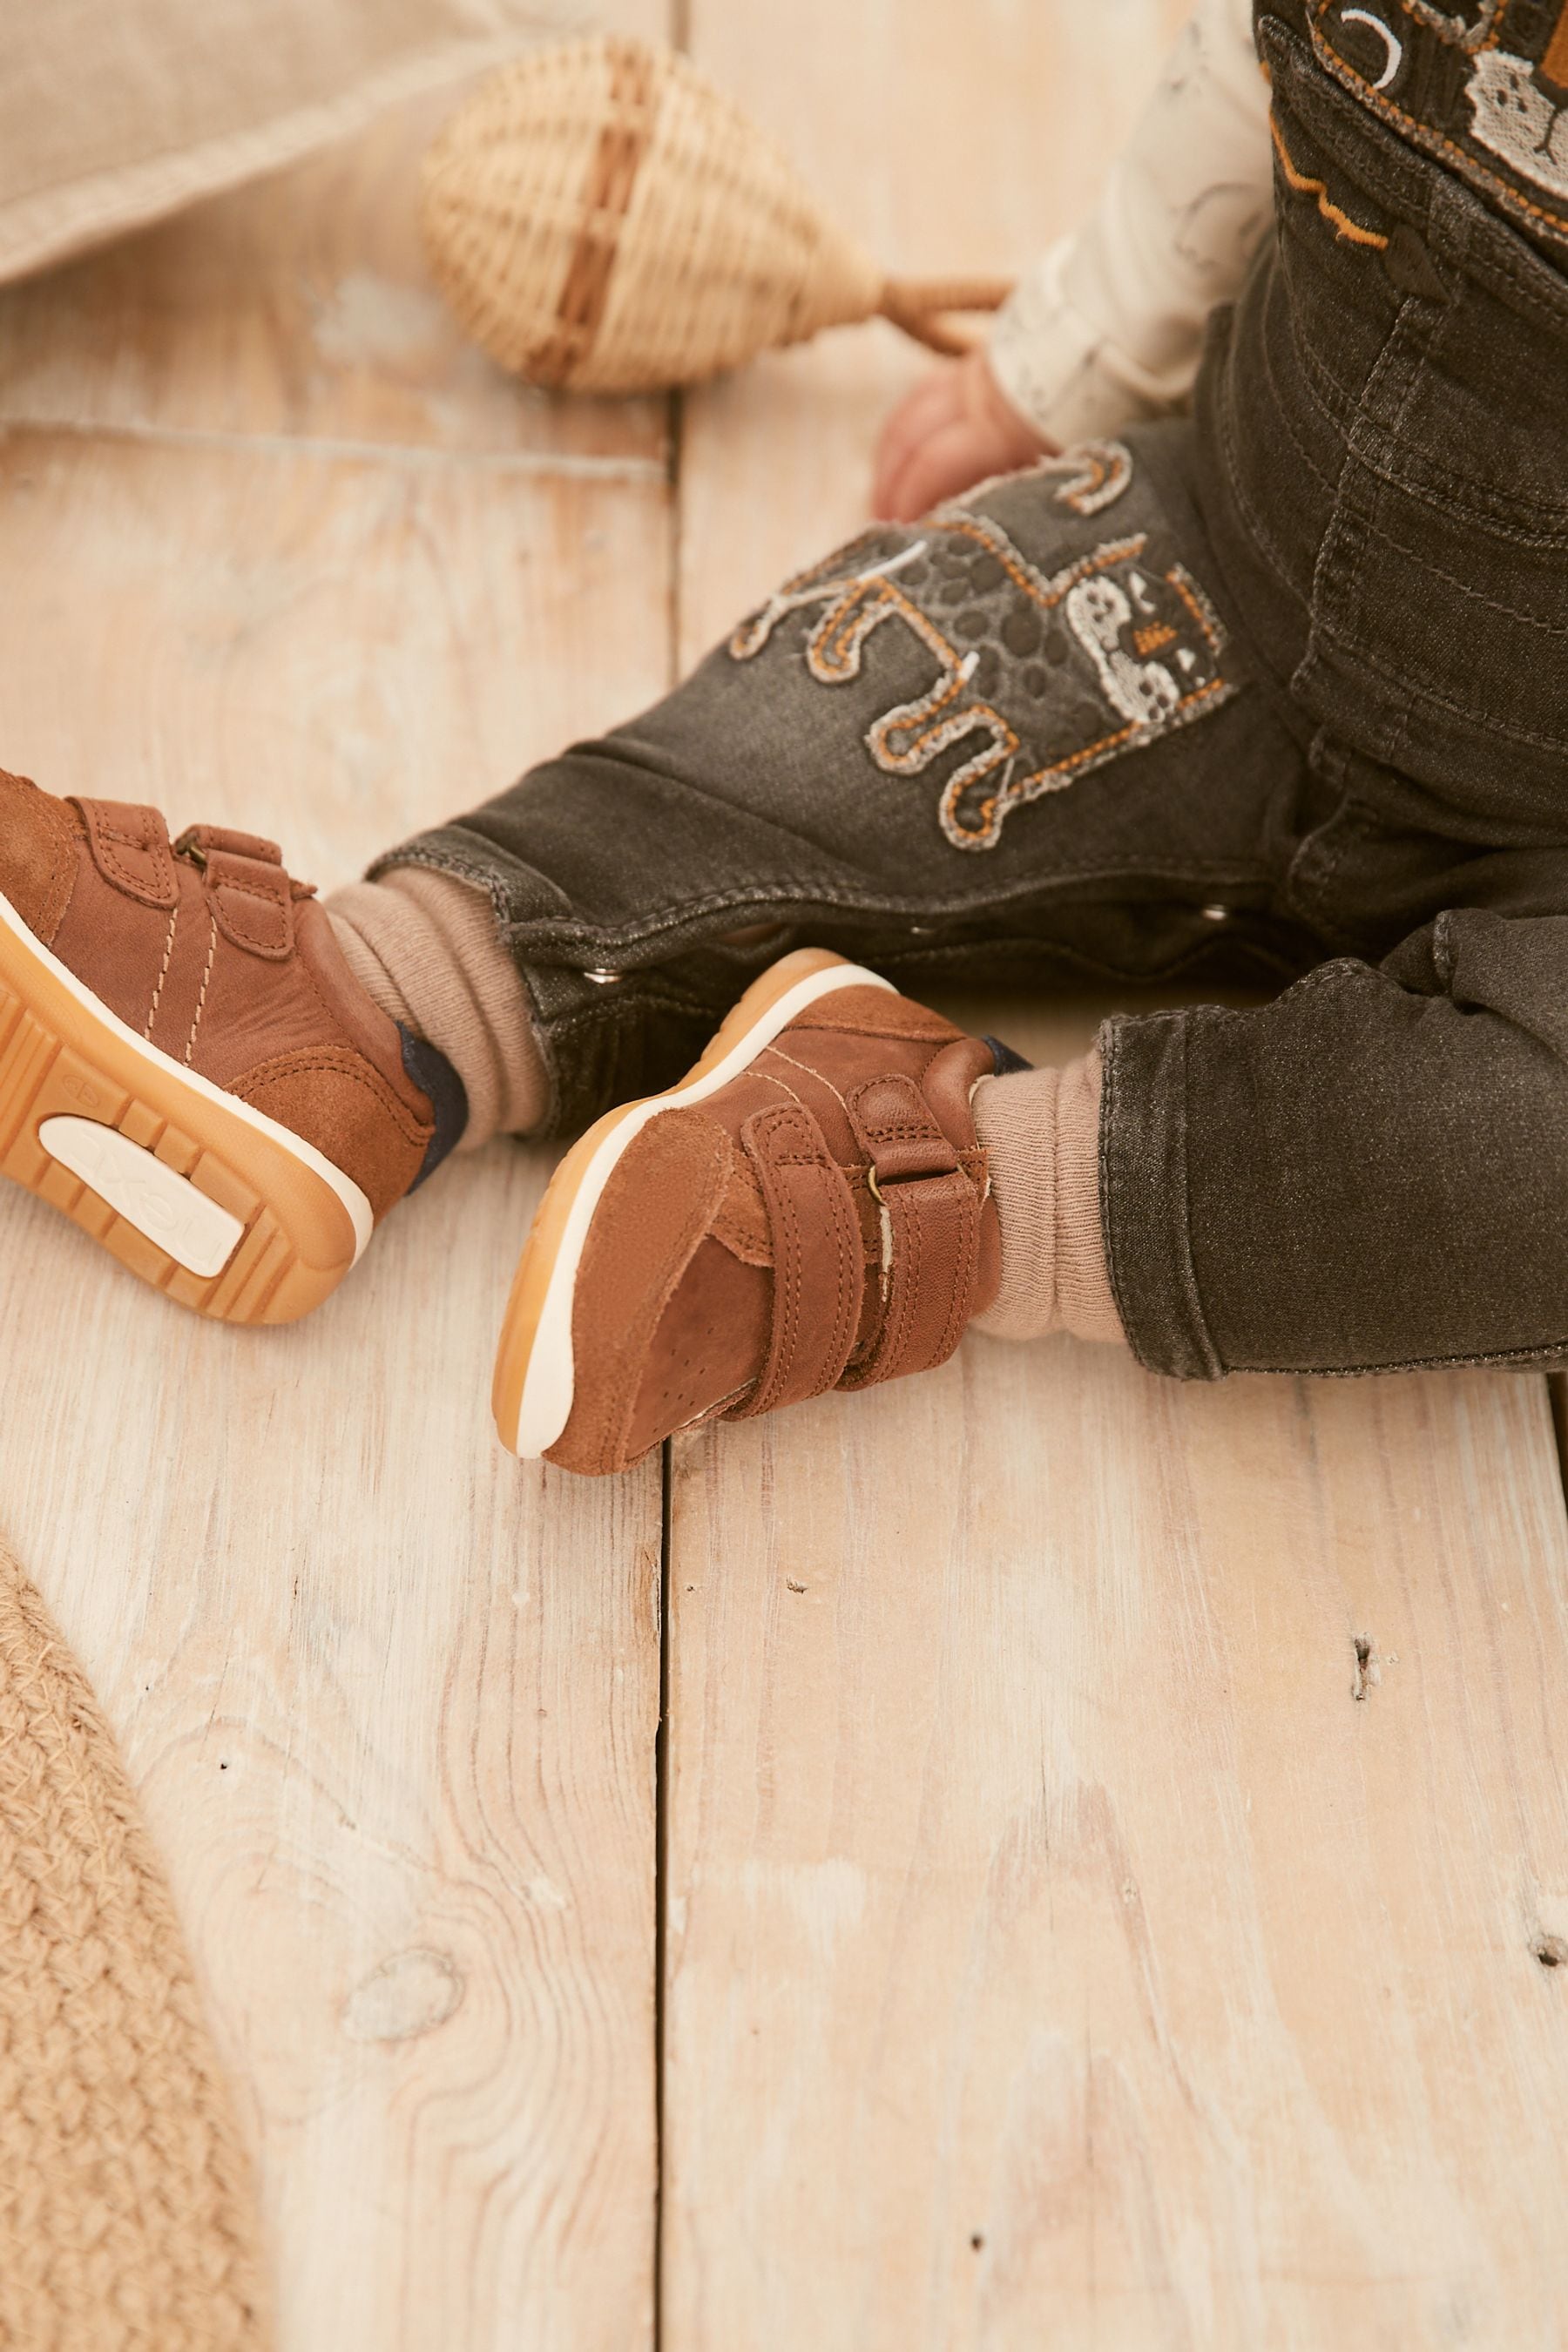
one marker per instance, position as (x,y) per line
(923,306)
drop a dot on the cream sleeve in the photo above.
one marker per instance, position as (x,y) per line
(1108,325)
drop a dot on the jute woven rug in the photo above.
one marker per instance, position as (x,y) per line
(126,2216)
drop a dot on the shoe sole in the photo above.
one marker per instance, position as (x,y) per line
(535,1376)
(208,1200)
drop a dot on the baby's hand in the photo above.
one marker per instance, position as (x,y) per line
(955,428)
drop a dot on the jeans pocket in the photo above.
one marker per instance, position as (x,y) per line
(1439,596)
(1481,86)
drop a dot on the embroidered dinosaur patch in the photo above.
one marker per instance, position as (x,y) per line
(1095,474)
(1521,120)
(1041,678)
(1467,27)
(1498,98)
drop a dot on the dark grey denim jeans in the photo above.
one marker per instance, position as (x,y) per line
(1283,686)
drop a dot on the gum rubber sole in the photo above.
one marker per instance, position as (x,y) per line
(532,1393)
(206,1199)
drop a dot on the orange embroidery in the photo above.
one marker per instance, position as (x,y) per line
(1350,230)
(1435,143)
(1103,619)
(1097,473)
(1472,38)
(1555,64)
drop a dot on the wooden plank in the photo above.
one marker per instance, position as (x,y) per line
(300,305)
(1059,1950)
(1071,1939)
(390,1700)
(948,141)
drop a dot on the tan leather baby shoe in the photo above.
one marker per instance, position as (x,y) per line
(808,1210)
(187,1066)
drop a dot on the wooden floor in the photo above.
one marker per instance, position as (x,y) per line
(1097,1882)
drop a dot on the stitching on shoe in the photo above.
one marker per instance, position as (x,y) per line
(163,972)
(225,892)
(66,850)
(807,1071)
(786,1296)
(343,1063)
(207,982)
(786,1226)
(106,840)
(909,1243)
(768,1079)
(964,1273)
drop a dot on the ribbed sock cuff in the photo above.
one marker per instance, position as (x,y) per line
(1040,1130)
(424,946)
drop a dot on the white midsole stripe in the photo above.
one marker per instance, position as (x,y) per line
(548,1385)
(357,1206)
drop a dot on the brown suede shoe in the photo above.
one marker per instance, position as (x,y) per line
(808,1210)
(187,1067)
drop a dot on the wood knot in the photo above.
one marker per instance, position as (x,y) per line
(412,1993)
(1368,1669)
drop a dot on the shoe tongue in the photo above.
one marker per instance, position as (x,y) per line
(1008,1063)
(949,1080)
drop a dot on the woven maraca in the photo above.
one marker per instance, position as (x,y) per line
(602,218)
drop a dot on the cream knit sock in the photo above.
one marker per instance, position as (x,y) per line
(1041,1130)
(424,946)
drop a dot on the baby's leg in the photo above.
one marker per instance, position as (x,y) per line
(1015,743)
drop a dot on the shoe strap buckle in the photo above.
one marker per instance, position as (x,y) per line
(902,1140)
